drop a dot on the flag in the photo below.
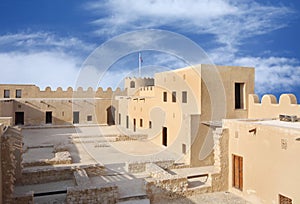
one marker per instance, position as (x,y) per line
(141,59)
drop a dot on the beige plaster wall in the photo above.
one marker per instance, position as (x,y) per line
(32,91)
(202,145)
(270,108)
(181,118)
(268,168)
(138,82)
(35,103)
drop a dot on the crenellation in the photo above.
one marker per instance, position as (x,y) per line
(269,107)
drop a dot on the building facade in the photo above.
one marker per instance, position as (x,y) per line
(28,105)
(173,111)
(263,163)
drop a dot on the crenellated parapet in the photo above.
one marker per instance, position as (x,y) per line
(32,91)
(134,84)
(269,107)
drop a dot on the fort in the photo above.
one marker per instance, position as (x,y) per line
(194,131)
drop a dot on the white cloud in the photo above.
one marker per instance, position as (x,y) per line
(41,58)
(43,69)
(273,74)
(42,41)
(229,21)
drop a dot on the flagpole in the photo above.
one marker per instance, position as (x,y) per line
(140,64)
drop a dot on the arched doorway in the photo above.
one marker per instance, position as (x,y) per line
(111,115)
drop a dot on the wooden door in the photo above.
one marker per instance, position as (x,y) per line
(237,177)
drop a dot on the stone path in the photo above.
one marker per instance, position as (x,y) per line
(208,198)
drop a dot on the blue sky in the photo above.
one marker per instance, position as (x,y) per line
(45,42)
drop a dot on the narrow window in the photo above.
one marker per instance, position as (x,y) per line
(127,121)
(165,96)
(132,84)
(183,148)
(184,97)
(89,118)
(239,95)
(119,118)
(18,93)
(141,122)
(165,136)
(174,96)
(150,124)
(134,124)
(6,94)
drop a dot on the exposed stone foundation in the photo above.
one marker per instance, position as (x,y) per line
(56,173)
(26,198)
(138,167)
(93,194)
(11,146)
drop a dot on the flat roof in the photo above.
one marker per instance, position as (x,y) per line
(278,123)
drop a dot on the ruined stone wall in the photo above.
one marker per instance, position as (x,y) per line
(93,194)
(221,155)
(56,173)
(11,146)
(162,184)
(26,198)
(138,167)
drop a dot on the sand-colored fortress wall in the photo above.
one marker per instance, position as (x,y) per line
(32,91)
(34,103)
(270,108)
(133,84)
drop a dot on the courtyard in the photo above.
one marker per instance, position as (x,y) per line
(55,148)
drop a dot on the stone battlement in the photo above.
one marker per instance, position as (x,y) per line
(32,91)
(270,108)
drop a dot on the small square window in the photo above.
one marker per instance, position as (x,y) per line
(184,97)
(165,96)
(6,94)
(89,118)
(174,96)
(18,93)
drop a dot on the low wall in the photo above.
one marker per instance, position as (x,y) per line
(138,167)
(7,121)
(26,198)
(60,158)
(56,173)
(93,194)
(170,187)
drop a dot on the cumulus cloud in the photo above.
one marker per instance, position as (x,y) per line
(273,74)
(41,58)
(43,69)
(228,21)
